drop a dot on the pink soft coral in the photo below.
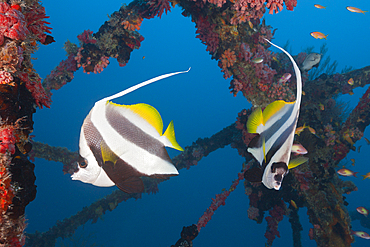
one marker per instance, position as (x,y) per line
(274,5)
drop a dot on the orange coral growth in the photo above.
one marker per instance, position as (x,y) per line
(262,86)
(275,5)
(133,24)
(228,58)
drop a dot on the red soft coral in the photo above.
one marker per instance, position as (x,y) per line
(157,7)
(12,22)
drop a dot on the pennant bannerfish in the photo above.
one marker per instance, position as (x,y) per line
(275,127)
(121,143)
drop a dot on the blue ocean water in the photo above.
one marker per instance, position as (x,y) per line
(200,104)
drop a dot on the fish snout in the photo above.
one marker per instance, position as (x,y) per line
(277,185)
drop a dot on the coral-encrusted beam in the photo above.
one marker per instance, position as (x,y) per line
(116,39)
(20,92)
(190,157)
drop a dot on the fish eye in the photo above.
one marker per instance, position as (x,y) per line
(82,163)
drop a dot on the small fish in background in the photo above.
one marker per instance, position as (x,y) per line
(346,172)
(299,149)
(318,35)
(250,24)
(353,161)
(367,175)
(312,60)
(367,141)
(351,81)
(319,6)
(361,234)
(257,60)
(299,130)
(285,78)
(356,10)
(294,205)
(363,211)
(312,131)
(121,143)
(358,149)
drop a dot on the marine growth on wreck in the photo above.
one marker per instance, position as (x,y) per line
(234,34)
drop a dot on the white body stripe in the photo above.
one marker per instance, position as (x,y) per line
(93,173)
(139,158)
(135,156)
(283,154)
(278,134)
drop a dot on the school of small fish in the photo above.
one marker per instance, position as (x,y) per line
(320,35)
(343,171)
(362,210)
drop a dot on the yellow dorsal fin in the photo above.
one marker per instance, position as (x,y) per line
(272,109)
(254,120)
(107,153)
(170,134)
(147,112)
(297,161)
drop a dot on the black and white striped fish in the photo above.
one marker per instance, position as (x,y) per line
(272,146)
(121,143)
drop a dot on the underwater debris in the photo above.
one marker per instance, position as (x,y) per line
(20,92)
(317,179)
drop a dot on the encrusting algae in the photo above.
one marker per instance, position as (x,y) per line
(234,35)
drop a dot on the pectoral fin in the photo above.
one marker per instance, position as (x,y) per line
(297,161)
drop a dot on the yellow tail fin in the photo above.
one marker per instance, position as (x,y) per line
(170,134)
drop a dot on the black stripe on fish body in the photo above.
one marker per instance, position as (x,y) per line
(134,134)
(254,174)
(124,176)
(280,169)
(93,139)
(276,165)
(280,141)
(275,127)
(256,142)
(127,178)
